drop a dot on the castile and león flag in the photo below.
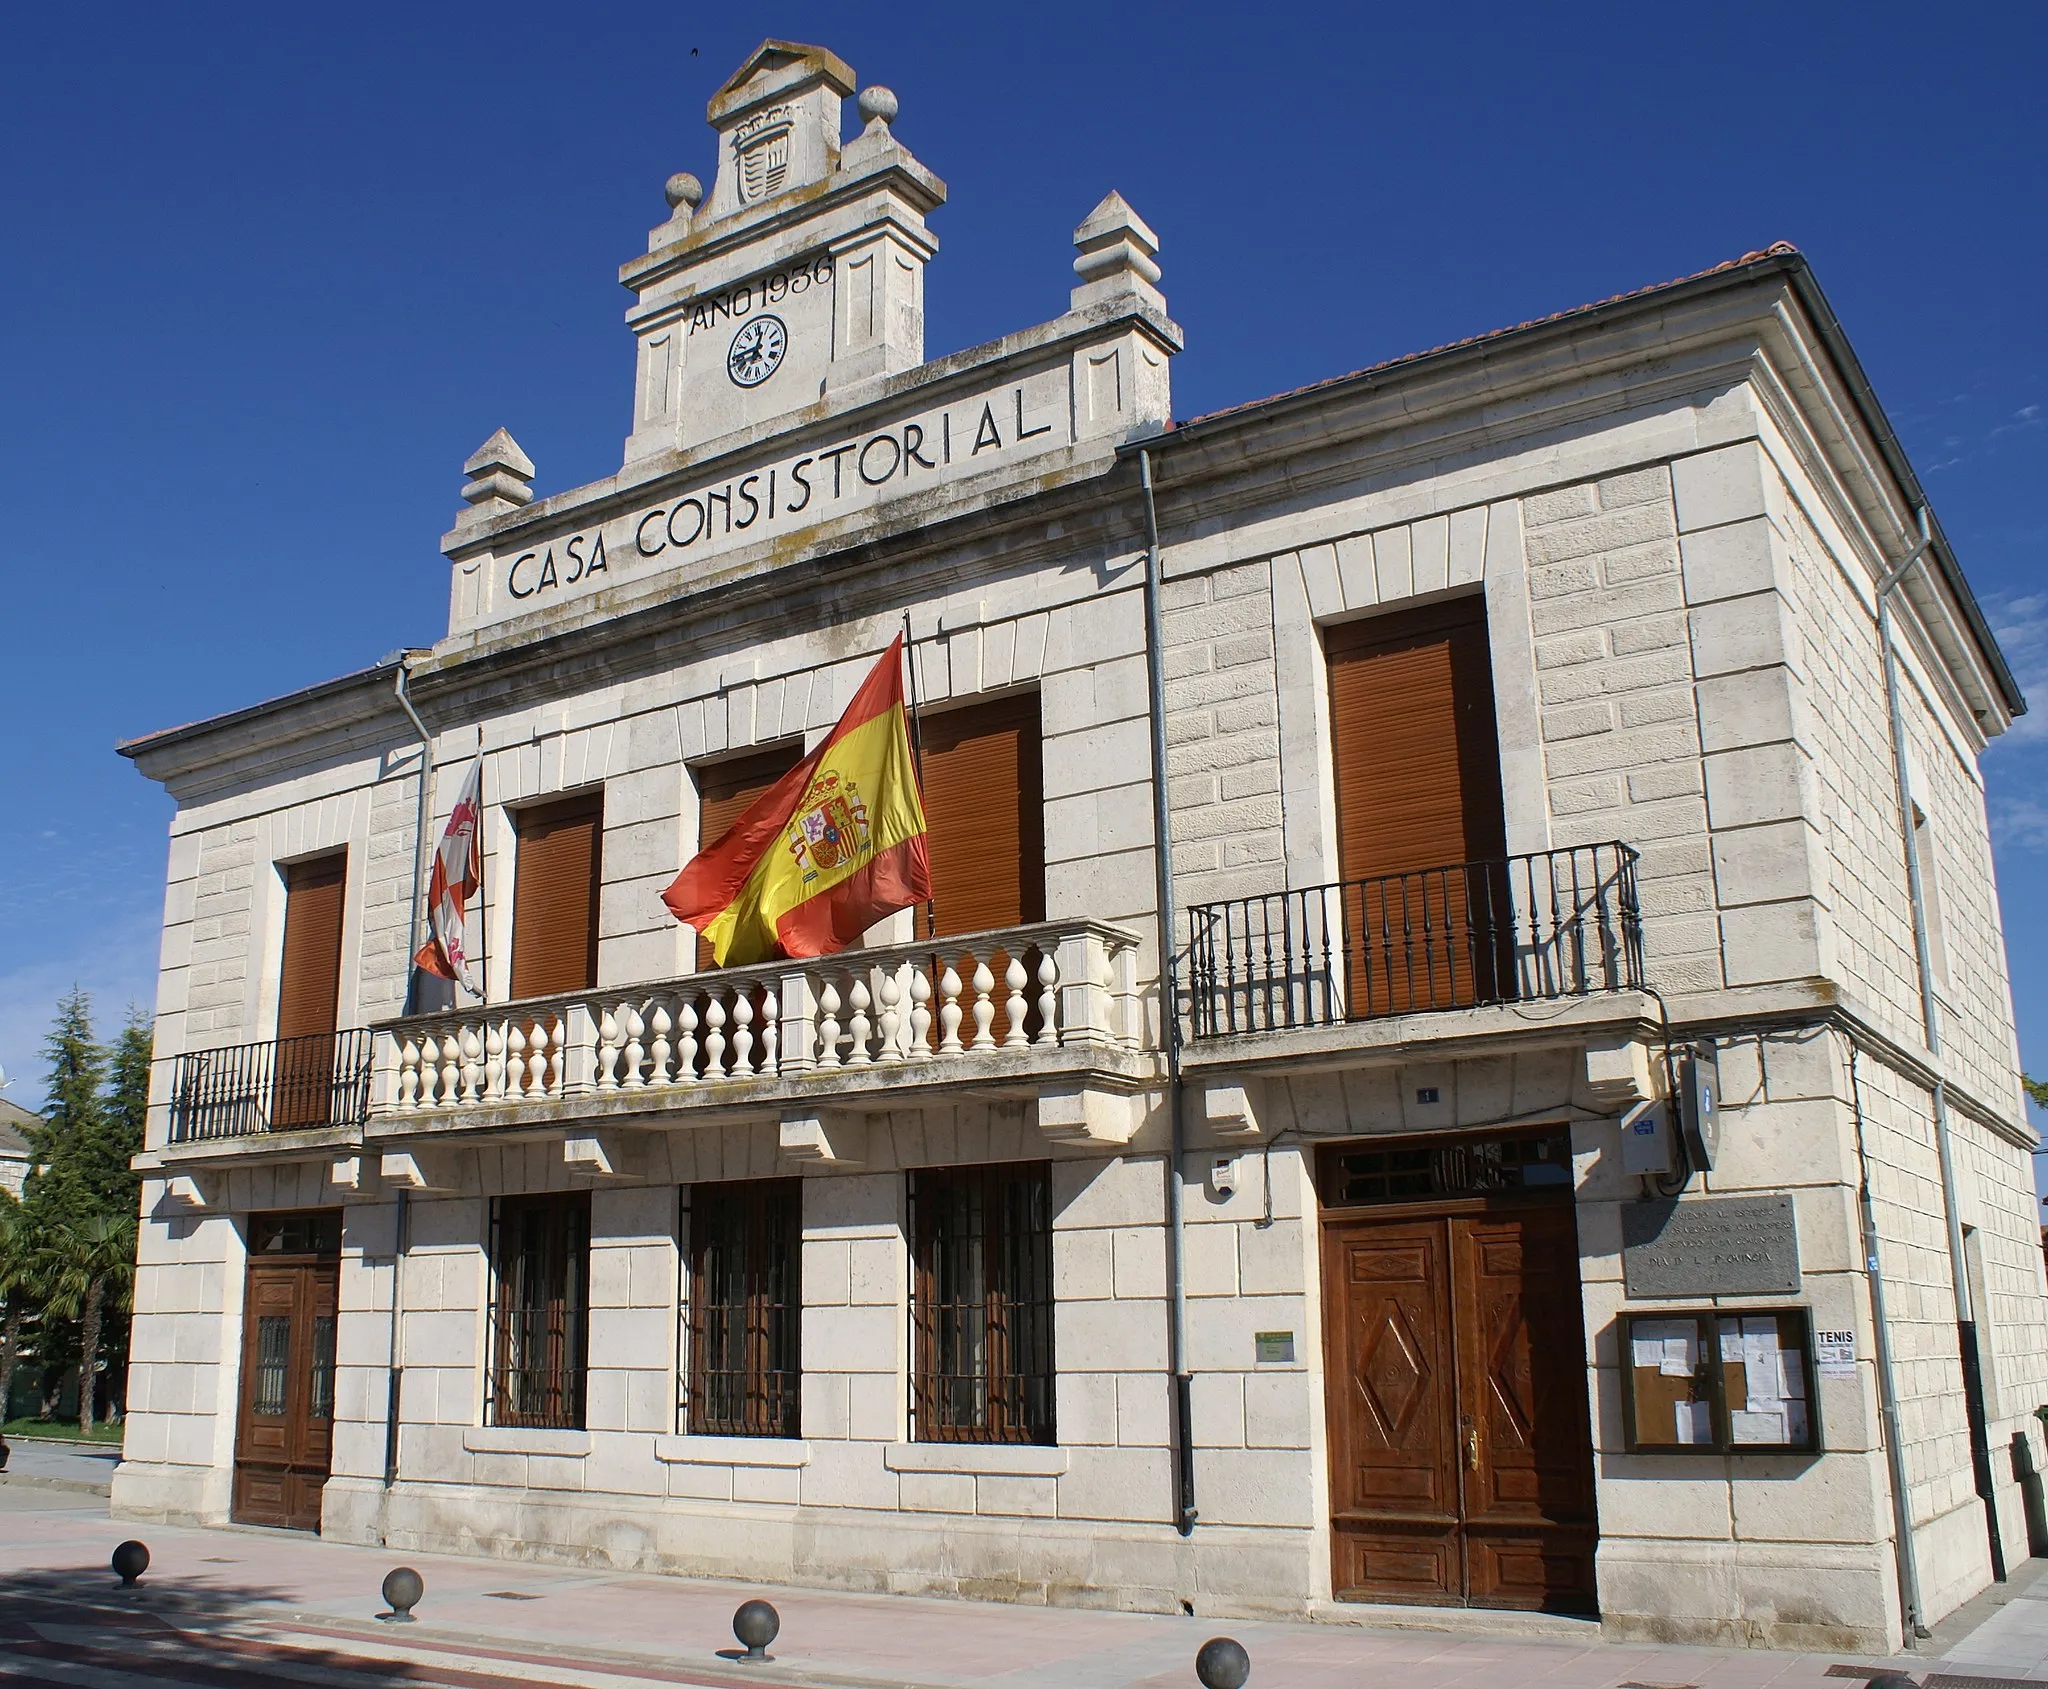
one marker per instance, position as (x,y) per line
(832,847)
(458,875)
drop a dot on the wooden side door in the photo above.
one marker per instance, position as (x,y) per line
(285,1430)
(1460,1451)
(1527,1503)
(1393,1411)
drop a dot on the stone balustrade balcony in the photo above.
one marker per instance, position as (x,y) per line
(1050,1011)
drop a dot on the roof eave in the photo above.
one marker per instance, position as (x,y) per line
(1798,274)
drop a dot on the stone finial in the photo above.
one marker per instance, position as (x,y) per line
(877,107)
(683,192)
(500,476)
(1116,249)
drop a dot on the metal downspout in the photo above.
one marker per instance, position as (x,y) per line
(394,1371)
(1930,1018)
(1887,1387)
(1169,1027)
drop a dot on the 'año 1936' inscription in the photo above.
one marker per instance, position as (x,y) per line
(736,301)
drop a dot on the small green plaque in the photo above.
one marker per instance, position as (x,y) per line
(1269,1346)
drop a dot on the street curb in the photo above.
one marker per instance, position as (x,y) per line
(36,1481)
(66,1443)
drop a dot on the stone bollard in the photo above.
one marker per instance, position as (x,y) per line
(1222,1663)
(130,1561)
(402,1591)
(756,1624)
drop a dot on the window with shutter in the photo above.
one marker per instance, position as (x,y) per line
(984,800)
(982,1304)
(309,991)
(726,789)
(746,1308)
(1420,831)
(540,1257)
(554,896)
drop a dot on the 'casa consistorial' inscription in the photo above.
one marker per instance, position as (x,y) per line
(989,430)
(1714,1246)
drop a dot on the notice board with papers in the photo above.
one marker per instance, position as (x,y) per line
(1720,1382)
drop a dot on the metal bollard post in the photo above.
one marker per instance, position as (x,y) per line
(756,1624)
(403,1588)
(130,1561)
(1222,1663)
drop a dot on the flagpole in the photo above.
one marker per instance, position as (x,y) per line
(483,896)
(916,743)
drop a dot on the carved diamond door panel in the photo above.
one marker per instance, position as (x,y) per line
(1393,1454)
(1528,1500)
(1461,1459)
(284,1436)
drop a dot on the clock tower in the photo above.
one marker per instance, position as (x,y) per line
(798,279)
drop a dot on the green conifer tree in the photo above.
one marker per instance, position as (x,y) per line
(126,1111)
(70,1147)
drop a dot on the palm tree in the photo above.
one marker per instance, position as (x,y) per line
(78,1268)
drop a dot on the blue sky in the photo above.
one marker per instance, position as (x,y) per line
(269,274)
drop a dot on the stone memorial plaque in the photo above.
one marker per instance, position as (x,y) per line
(1719,1246)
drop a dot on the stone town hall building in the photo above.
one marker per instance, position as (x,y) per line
(1572,1158)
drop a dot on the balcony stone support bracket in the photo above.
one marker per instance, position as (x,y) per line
(418,1170)
(605,1155)
(1231,1111)
(1619,1073)
(1086,1114)
(353,1173)
(826,1138)
(185,1194)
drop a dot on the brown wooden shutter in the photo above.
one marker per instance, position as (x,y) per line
(1417,765)
(309,987)
(724,791)
(1417,757)
(984,801)
(308,993)
(554,896)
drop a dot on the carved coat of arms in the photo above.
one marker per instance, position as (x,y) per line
(761,145)
(830,829)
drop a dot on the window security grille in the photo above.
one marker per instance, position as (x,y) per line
(982,1307)
(540,1250)
(746,1309)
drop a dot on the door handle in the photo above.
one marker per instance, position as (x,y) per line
(1472,1447)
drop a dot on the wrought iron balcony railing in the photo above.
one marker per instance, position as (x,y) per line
(917,1008)
(1560,923)
(287,1084)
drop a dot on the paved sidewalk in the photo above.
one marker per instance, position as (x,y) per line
(494,1620)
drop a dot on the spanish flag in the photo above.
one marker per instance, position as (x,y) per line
(828,850)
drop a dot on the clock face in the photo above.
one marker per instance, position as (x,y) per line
(756,351)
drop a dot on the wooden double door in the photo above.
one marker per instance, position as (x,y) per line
(1460,1456)
(284,1435)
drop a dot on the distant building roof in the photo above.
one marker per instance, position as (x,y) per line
(14,1121)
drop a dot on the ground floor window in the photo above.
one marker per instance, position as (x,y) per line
(540,1254)
(745,1309)
(981,1304)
